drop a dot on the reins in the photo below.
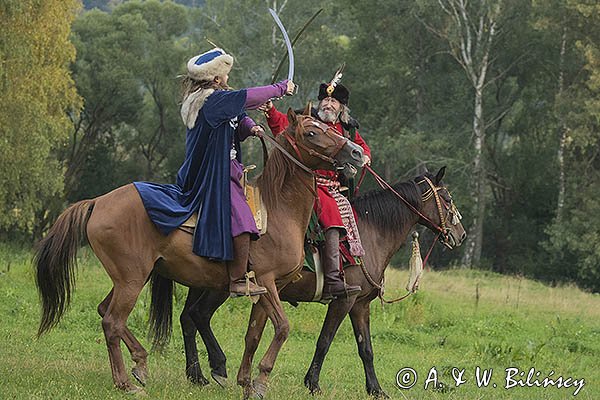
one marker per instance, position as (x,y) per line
(285,152)
(440,229)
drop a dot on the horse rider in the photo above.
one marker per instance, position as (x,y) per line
(334,212)
(208,182)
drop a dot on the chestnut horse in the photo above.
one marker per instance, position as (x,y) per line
(384,223)
(130,247)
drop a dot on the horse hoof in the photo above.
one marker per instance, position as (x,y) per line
(194,375)
(198,380)
(220,380)
(247,392)
(313,388)
(140,374)
(259,390)
(378,394)
(130,388)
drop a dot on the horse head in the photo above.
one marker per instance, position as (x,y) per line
(439,209)
(319,146)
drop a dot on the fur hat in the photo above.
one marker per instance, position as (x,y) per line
(207,66)
(340,93)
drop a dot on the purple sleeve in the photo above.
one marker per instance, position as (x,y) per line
(244,127)
(256,96)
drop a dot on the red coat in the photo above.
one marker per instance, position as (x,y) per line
(327,209)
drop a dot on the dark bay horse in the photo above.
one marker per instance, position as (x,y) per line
(384,223)
(130,247)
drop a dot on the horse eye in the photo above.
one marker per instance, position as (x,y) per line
(310,134)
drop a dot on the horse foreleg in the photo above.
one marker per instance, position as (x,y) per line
(274,310)
(336,312)
(207,302)
(360,317)
(256,327)
(114,325)
(139,355)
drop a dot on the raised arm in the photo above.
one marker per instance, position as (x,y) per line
(258,95)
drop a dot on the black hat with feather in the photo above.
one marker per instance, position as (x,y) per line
(335,89)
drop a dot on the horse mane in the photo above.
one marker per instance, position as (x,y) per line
(271,181)
(385,210)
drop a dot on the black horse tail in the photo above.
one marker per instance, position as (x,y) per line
(161,310)
(55,261)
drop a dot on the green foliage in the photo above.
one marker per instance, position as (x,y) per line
(126,71)
(37,92)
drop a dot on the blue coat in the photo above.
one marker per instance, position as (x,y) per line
(203,179)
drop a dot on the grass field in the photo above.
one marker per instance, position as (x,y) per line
(460,318)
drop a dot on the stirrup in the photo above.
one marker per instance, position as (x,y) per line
(250,278)
(348,291)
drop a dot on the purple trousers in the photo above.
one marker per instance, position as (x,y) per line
(242,220)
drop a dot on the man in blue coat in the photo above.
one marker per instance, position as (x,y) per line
(208,182)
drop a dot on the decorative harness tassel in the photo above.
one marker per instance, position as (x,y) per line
(415,265)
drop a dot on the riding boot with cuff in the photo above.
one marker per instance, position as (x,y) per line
(239,279)
(334,286)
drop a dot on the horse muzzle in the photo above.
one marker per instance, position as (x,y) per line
(450,241)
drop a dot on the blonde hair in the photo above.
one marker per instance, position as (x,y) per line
(190,85)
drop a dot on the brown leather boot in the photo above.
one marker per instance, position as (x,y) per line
(239,281)
(334,286)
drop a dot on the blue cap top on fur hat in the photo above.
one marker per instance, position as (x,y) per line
(207,66)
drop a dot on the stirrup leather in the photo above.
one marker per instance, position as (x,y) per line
(249,275)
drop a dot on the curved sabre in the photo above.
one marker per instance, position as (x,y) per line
(288,43)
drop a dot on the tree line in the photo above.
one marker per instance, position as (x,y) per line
(505,93)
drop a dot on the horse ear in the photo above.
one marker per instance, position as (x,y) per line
(307,109)
(291,115)
(440,175)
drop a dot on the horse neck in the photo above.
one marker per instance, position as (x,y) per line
(380,242)
(287,190)
(380,247)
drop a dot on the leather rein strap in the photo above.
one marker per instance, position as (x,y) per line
(285,152)
(440,229)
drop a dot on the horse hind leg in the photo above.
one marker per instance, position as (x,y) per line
(201,311)
(139,355)
(115,329)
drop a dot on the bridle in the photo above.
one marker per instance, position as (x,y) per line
(441,228)
(444,211)
(327,130)
(296,145)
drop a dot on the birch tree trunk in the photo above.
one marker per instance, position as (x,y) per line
(563,131)
(472,253)
(471,33)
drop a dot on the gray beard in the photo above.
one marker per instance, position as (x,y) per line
(328,116)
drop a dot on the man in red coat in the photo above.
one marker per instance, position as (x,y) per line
(333,209)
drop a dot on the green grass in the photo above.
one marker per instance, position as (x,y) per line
(515,323)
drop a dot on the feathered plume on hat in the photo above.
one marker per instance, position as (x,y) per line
(206,66)
(334,88)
